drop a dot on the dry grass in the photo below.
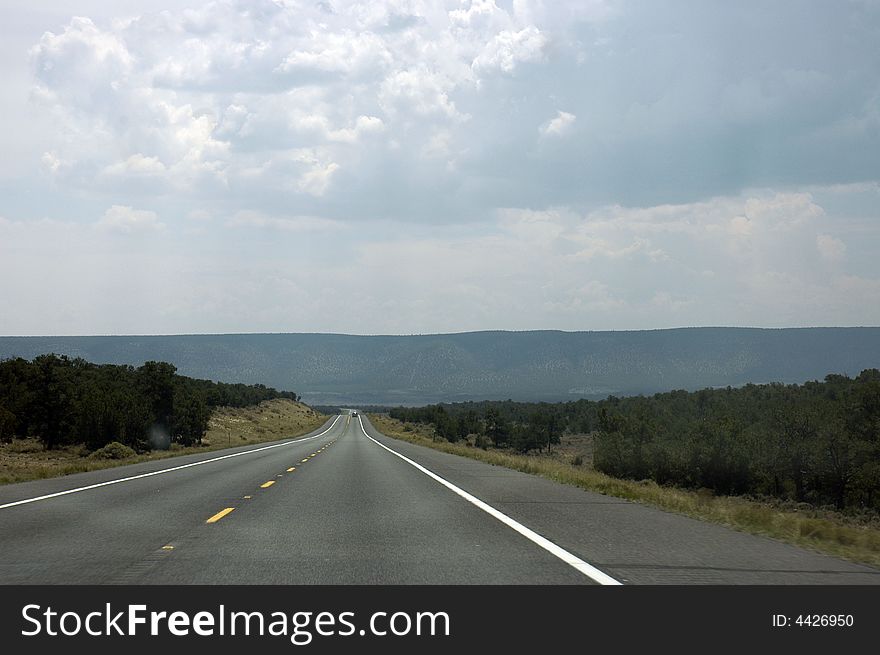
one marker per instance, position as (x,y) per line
(814,529)
(26,459)
(271,420)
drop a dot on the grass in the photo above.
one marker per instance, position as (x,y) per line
(26,459)
(816,529)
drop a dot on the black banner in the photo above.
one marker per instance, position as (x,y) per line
(37,619)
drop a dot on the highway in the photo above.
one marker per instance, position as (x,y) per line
(347,505)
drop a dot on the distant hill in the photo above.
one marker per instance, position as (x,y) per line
(335,369)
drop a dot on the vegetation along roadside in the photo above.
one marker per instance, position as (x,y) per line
(792,462)
(60,416)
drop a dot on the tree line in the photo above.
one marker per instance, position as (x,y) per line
(63,401)
(816,443)
(504,424)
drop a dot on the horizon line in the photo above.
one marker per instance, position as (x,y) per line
(435,334)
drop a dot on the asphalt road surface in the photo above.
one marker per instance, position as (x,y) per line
(346,505)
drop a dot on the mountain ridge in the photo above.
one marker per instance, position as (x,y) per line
(328,368)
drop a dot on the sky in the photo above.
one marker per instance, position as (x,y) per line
(405,167)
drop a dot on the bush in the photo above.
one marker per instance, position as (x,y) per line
(25,446)
(113,450)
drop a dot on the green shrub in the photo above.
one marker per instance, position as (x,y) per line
(25,446)
(113,450)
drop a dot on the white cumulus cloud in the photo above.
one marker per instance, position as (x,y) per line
(126,220)
(137,165)
(508,48)
(559,125)
(658,172)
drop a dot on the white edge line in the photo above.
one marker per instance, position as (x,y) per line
(162,471)
(572,560)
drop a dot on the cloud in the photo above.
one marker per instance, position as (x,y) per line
(831,249)
(347,53)
(653,170)
(478,13)
(126,220)
(558,126)
(623,266)
(783,210)
(612,267)
(250,218)
(421,92)
(508,48)
(83,64)
(320,125)
(215,92)
(316,181)
(137,165)
(51,162)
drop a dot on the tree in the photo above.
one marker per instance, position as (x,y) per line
(838,463)
(467,424)
(7,424)
(156,382)
(191,416)
(496,427)
(62,400)
(444,425)
(541,429)
(795,445)
(52,408)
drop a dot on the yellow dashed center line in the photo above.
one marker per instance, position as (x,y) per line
(168,547)
(219,515)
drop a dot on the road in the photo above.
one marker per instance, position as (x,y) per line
(347,505)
